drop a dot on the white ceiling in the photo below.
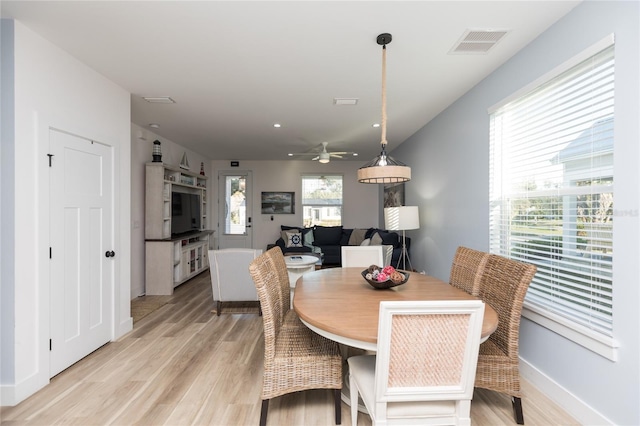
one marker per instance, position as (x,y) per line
(235,68)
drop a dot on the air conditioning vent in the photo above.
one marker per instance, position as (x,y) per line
(477,41)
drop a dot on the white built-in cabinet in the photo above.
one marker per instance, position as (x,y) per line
(171,261)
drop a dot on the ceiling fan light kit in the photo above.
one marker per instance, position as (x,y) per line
(383,168)
(324,156)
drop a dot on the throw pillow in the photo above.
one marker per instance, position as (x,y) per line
(357,237)
(294,239)
(284,233)
(284,229)
(376,239)
(390,238)
(366,242)
(307,237)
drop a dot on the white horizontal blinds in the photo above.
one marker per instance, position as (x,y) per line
(551,185)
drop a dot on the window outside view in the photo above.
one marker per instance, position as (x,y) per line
(322,200)
(236,207)
(552,190)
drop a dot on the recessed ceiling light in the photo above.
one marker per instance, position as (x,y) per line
(154,125)
(355,154)
(159,99)
(277,125)
(376,125)
(290,154)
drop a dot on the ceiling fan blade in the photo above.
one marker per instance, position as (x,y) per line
(336,155)
(316,158)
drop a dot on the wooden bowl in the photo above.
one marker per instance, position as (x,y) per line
(382,285)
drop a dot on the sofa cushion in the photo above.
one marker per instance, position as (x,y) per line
(346,234)
(390,238)
(376,239)
(327,235)
(357,237)
(307,237)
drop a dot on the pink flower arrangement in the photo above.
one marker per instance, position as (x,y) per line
(388,270)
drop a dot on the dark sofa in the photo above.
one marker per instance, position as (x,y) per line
(330,239)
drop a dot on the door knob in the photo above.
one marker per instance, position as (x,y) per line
(110,253)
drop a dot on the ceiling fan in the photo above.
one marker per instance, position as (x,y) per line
(324,156)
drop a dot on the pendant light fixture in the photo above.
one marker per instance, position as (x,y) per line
(383,168)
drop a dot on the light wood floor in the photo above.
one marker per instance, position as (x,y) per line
(183,365)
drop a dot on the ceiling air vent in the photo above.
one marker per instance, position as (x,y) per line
(477,41)
(159,99)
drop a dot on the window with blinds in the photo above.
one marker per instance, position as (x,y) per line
(551,190)
(322,200)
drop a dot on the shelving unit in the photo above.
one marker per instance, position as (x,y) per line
(171,261)
(161,179)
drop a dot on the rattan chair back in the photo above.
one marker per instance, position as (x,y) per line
(295,358)
(466,269)
(276,257)
(504,285)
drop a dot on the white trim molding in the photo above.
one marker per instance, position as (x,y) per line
(602,345)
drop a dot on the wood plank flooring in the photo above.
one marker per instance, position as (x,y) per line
(183,365)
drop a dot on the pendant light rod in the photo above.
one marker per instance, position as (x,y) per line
(383,40)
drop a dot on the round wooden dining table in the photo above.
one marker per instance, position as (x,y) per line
(339,304)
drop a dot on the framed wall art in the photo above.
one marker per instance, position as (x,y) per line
(394,194)
(278,202)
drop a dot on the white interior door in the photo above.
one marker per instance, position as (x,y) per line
(234,210)
(82,257)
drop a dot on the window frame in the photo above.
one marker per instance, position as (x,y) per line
(316,207)
(595,341)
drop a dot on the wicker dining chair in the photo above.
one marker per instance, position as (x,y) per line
(503,286)
(295,358)
(290,318)
(466,269)
(424,369)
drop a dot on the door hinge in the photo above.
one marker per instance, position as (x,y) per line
(50,157)
(50,345)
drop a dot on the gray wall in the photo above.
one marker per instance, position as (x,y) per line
(450,157)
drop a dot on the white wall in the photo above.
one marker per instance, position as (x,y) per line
(361,201)
(451,187)
(141,148)
(53,90)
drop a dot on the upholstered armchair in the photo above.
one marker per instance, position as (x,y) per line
(230,278)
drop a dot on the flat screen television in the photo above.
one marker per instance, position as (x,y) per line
(185,213)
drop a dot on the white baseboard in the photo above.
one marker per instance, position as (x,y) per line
(7,396)
(13,394)
(578,409)
(123,328)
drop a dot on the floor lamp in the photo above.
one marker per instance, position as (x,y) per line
(402,218)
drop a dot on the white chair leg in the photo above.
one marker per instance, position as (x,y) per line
(353,396)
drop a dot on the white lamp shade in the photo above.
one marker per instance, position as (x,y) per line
(401,218)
